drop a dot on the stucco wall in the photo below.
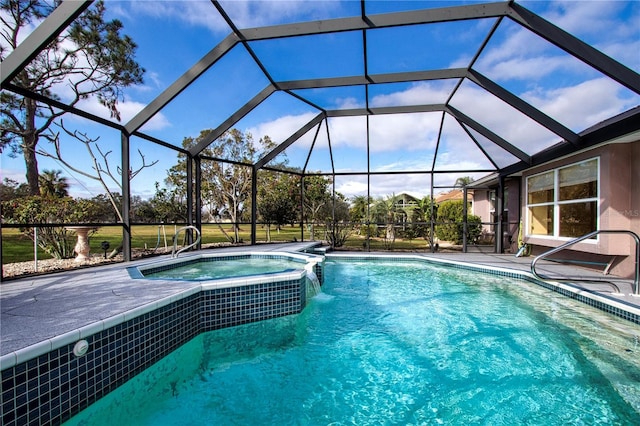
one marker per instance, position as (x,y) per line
(482,208)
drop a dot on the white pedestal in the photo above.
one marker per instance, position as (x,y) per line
(82,245)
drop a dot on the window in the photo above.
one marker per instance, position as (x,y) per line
(564,202)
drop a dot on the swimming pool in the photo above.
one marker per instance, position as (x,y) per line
(399,342)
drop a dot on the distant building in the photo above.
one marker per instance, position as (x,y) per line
(454,194)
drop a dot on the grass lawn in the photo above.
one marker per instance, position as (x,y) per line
(16,247)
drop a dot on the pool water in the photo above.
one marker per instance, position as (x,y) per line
(398,343)
(227,268)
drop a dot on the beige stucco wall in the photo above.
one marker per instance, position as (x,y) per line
(619,206)
(481,207)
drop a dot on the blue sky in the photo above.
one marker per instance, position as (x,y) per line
(173,35)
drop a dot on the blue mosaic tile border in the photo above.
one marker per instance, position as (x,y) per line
(231,306)
(51,388)
(581,297)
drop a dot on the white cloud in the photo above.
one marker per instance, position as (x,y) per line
(200,13)
(13,174)
(454,161)
(624,52)
(281,128)
(523,55)
(128,110)
(384,186)
(245,14)
(404,131)
(502,119)
(348,103)
(156,83)
(417,94)
(585,17)
(248,14)
(352,187)
(348,131)
(582,105)
(528,68)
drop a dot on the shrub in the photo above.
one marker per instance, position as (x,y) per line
(338,234)
(450,223)
(49,211)
(373,230)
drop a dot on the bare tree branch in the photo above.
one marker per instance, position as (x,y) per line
(102,168)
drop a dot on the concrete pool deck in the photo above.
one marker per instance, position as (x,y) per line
(36,309)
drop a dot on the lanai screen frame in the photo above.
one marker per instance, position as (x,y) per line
(568,141)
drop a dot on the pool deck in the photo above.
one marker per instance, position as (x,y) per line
(37,309)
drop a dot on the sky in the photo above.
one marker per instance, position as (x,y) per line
(173,35)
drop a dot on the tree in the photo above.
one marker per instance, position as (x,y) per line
(278,199)
(101,169)
(103,206)
(463,181)
(386,210)
(337,220)
(359,210)
(91,58)
(226,186)
(10,189)
(52,184)
(168,205)
(423,211)
(316,196)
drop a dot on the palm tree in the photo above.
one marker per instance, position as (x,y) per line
(359,208)
(52,184)
(424,210)
(463,181)
(386,209)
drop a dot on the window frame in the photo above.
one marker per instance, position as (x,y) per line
(556,203)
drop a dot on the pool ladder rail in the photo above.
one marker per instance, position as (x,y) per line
(584,237)
(174,252)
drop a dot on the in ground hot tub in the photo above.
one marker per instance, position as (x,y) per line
(208,267)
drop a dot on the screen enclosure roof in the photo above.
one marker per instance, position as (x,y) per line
(374,87)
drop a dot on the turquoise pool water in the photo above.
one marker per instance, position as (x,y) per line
(226,268)
(398,343)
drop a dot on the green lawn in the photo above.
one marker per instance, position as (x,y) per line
(18,248)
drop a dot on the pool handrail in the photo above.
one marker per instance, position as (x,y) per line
(636,288)
(175,253)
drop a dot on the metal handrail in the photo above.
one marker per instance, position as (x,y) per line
(584,237)
(175,253)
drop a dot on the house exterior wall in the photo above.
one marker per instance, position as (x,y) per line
(634,211)
(618,206)
(482,207)
(513,203)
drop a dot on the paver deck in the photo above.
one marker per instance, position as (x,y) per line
(39,308)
